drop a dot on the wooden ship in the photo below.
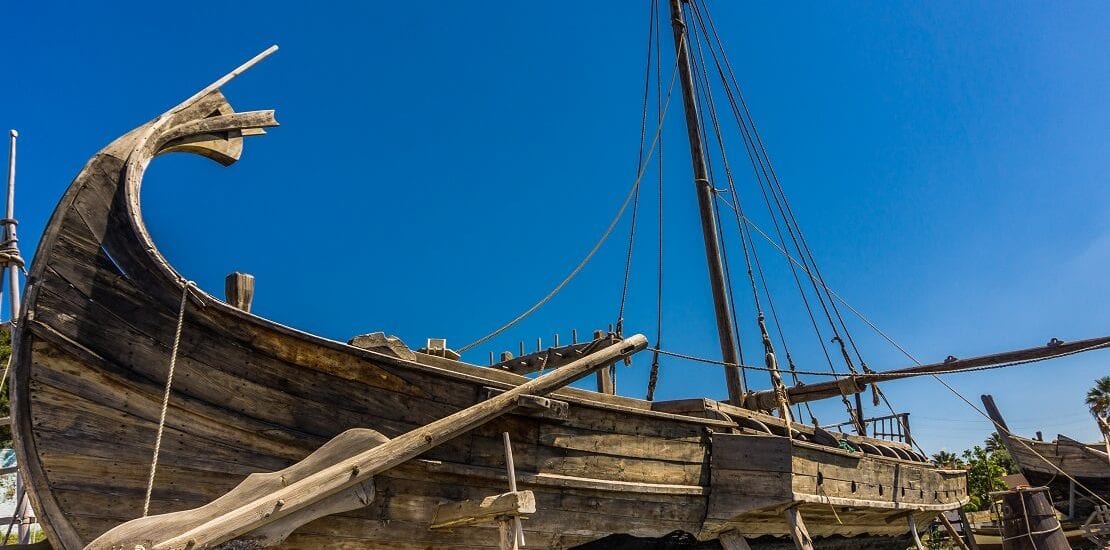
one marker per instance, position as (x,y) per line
(1076,474)
(149,414)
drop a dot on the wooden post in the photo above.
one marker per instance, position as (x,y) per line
(966,527)
(913,528)
(733,540)
(605,374)
(952,534)
(706,199)
(506,539)
(518,529)
(11,269)
(798,531)
(239,290)
(1071,498)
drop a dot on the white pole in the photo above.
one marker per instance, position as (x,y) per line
(518,538)
(12,269)
(9,232)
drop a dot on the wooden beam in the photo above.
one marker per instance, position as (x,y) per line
(765,399)
(239,290)
(965,526)
(248,509)
(487,510)
(605,375)
(798,531)
(913,528)
(733,540)
(952,534)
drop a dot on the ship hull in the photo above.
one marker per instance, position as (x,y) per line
(95,340)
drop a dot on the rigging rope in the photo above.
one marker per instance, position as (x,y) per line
(639,162)
(166,396)
(653,375)
(759,168)
(597,245)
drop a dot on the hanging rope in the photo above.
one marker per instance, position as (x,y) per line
(166,396)
(597,245)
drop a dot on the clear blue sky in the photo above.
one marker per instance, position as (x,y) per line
(440,166)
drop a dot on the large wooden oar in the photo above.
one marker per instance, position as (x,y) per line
(265,508)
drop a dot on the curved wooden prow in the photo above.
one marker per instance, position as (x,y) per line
(98,223)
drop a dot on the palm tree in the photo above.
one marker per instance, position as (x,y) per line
(1098,401)
(945,459)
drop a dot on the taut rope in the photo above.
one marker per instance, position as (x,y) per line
(166,396)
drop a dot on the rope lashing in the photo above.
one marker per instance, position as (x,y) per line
(166,395)
(9,248)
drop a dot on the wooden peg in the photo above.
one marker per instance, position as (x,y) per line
(573,336)
(239,290)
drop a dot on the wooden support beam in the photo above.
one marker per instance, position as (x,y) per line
(304,492)
(605,375)
(487,510)
(506,534)
(1071,499)
(765,399)
(798,531)
(239,290)
(952,534)
(913,530)
(965,526)
(733,540)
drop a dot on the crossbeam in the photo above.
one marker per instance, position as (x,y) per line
(487,510)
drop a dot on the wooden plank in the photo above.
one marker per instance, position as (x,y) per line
(798,531)
(470,512)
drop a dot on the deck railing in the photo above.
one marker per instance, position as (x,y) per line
(892,427)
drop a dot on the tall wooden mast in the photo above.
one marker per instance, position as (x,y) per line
(705,205)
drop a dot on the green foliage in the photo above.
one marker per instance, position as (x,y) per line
(945,459)
(997,448)
(1098,401)
(984,474)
